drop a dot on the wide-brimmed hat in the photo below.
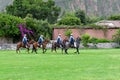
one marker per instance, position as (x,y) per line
(25,35)
(41,35)
(59,34)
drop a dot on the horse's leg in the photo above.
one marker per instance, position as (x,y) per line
(77,50)
(32,50)
(62,49)
(35,50)
(17,49)
(66,51)
(45,50)
(28,50)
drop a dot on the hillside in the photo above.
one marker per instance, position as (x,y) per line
(91,7)
(4,3)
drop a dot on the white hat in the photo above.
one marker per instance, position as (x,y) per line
(59,34)
(25,35)
(71,34)
(41,35)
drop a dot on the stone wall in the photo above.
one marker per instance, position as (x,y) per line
(6,40)
(8,46)
(99,45)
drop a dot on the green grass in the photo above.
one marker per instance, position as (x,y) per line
(90,64)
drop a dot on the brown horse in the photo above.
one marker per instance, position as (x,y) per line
(55,45)
(63,45)
(21,45)
(43,46)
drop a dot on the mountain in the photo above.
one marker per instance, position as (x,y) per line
(4,3)
(91,7)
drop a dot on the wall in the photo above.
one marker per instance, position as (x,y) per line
(101,34)
(99,45)
(5,40)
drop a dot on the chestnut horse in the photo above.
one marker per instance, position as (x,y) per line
(21,45)
(43,46)
(63,46)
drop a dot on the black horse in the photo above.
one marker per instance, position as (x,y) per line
(55,45)
(67,45)
(78,39)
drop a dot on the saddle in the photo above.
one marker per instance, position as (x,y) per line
(24,45)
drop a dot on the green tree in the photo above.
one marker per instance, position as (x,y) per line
(81,14)
(69,19)
(42,10)
(8,26)
(38,27)
(116,37)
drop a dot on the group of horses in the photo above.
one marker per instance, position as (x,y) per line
(64,46)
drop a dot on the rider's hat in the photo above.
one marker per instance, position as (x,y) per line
(59,34)
(25,35)
(41,35)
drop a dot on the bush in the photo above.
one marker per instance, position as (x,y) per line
(95,40)
(8,26)
(114,17)
(85,39)
(69,21)
(68,32)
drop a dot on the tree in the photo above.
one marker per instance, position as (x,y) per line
(69,19)
(116,37)
(42,10)
(38,27)
(81,14)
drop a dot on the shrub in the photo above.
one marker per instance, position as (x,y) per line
(8,26)
(69,21)
(95,40)
(85,39)
(68,32)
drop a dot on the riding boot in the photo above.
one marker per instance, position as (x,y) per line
(26,46)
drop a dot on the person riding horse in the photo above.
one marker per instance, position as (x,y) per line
(40,40)
(59,40)
(78,39)
(24,40)
(71,40)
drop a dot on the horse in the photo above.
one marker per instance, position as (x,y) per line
(55,45)
(21,45)
(43,46)
(67,45)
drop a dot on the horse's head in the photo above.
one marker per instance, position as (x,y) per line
(65,40)
(31,41)
(46,41)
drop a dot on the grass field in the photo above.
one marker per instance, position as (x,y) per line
(90,64)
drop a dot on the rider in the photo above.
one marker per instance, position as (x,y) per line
(40,40)
(71,40)
(59,40)
(24,40)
